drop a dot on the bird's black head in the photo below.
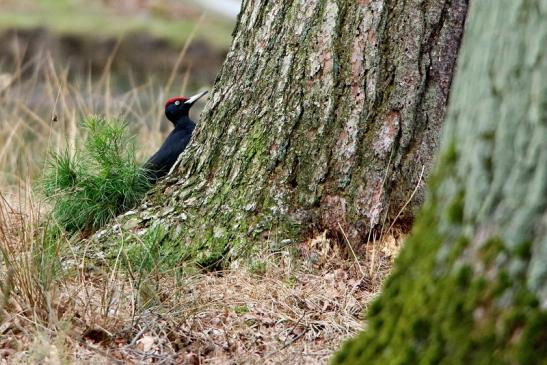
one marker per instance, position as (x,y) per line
(176,109)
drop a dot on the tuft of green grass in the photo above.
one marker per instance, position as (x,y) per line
(49,244)
(258,267)
(145,256)
(95,183)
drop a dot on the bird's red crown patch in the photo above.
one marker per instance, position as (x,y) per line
(182,99)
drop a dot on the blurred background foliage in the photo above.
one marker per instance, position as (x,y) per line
(63,60)
(168,19)
(146,35)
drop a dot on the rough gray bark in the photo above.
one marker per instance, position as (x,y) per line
(470,286)
(325,113)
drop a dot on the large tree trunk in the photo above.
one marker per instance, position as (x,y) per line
(325,114)
(470,286)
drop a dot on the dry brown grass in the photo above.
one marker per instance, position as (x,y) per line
(298,310)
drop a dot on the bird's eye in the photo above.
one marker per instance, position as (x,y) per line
(177,102)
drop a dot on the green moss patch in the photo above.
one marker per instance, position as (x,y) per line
(436,309)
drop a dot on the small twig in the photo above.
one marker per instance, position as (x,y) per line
(351,248)
(294,339)
(287,344)
(297,323)
(409,199)
(373,258)
(104,353)
(136,338)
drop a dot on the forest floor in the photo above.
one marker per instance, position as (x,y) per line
(295,307)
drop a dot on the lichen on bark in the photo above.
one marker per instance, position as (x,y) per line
(470,286)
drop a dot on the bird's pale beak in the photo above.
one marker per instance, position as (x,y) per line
(195,98)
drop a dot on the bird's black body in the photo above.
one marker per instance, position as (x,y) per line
(161,162)
(176,110)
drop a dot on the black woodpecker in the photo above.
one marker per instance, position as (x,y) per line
(177,112)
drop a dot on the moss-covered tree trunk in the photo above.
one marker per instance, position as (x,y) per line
(325,113)
(470,286)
